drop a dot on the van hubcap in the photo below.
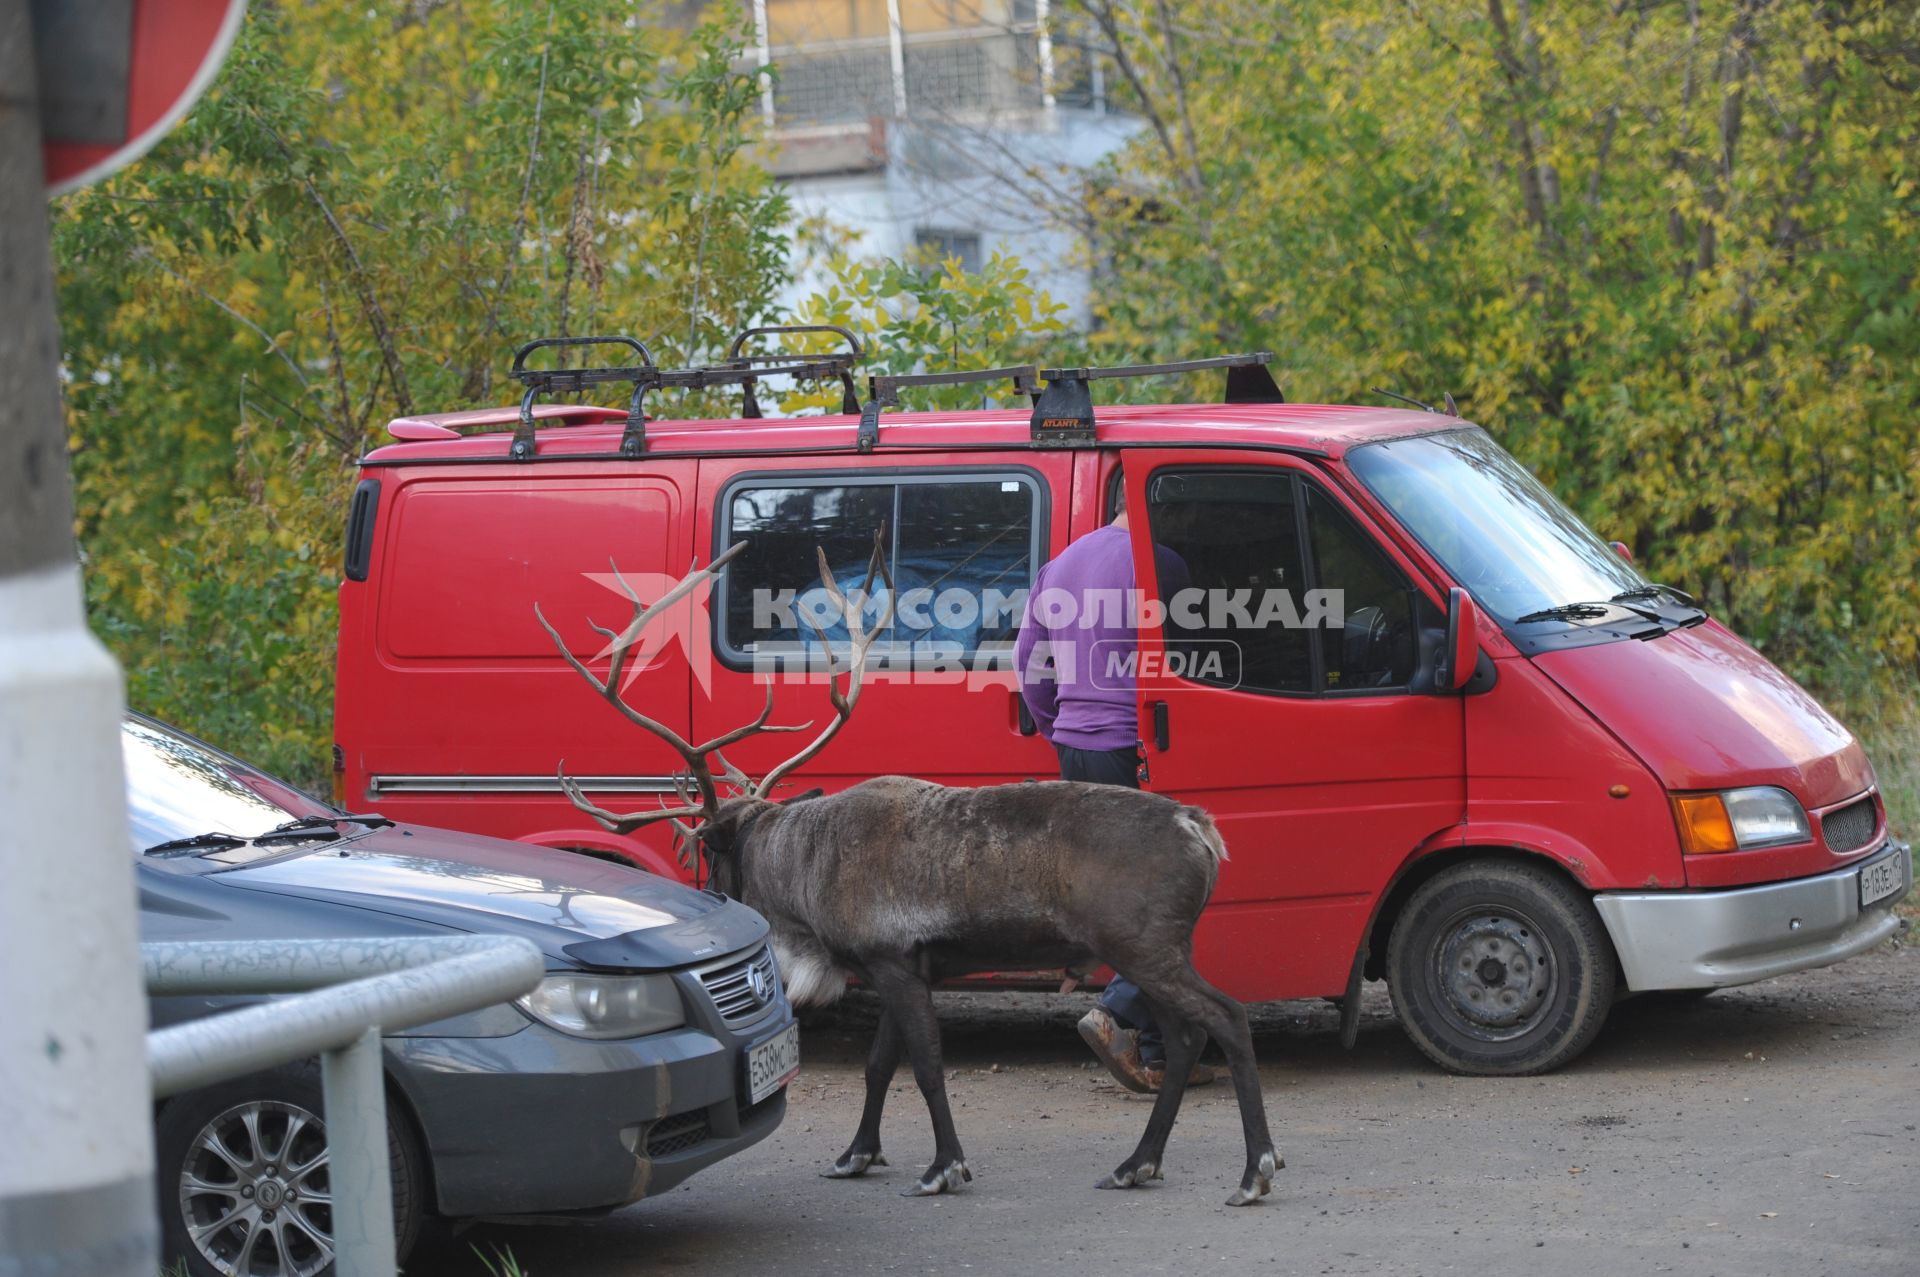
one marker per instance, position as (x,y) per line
(1495,972)
(254,1192)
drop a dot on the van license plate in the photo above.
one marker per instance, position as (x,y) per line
(773,1063)
(1881,879)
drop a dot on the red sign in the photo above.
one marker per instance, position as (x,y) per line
(116,76)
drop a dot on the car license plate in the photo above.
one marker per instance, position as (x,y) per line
(1881,879)
(773,1063)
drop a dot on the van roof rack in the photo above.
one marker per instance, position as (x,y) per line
(752,367)
(563,380)
(1063,411)
(744,371)
(1062,407)
(884,392)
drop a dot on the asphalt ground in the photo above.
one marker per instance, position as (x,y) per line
(1764,1130)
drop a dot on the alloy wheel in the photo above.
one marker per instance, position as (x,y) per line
(255,1193)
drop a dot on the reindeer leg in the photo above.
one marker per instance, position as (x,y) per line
(1184,1041)
(1188,996)
(1229,1028)
(909,1002)
(882,1061)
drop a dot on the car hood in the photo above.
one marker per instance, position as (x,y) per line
(589,912)
(1703,710)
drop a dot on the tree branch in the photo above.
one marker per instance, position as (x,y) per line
(491,327)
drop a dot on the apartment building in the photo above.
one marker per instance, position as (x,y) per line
(959,125)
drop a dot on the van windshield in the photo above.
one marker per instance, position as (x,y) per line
(1501,534)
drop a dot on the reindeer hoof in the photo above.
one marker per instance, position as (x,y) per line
(941,1179)
(1132,1176)
(1259,1180)
(853,1165)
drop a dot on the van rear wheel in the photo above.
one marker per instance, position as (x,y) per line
(1500,969)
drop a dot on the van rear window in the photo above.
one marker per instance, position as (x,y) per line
(962,550)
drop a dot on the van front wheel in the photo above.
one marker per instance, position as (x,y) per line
(1500,969)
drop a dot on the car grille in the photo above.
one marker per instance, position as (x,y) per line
(1850,828)
(672,1134)
(732,986)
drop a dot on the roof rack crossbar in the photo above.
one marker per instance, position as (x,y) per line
(1256,360)
(543,381)
(1063,412)
(884,392)
(886,389)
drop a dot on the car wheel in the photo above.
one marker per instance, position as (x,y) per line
(244,1183)
(1500,969)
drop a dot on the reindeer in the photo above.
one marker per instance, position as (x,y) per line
(902,883)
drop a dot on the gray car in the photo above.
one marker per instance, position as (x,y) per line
(659,1043)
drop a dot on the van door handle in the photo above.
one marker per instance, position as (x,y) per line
(1025,724)
(1160,726)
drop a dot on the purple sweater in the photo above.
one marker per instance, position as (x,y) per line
(1085,704)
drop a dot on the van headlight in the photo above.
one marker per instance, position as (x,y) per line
(601,1006)
(1740,820)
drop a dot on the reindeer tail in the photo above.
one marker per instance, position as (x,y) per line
(1199,823)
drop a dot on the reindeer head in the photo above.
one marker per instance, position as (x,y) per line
(709,826)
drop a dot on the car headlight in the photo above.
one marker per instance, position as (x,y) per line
(600,1006)
(1740,820)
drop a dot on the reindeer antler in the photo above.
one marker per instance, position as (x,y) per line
(704,800)
(859,640)
(696,787)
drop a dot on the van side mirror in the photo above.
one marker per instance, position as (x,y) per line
(1463,647)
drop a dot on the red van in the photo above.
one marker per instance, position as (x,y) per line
(1507,774)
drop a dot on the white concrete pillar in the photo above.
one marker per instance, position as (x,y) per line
(76,1168)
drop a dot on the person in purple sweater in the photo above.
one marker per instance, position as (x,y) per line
(1082,611)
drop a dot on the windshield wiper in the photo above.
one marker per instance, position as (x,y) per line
(298,830)
(1654,591)
(195,842)
(328,822)
(1566,612)
(315,827)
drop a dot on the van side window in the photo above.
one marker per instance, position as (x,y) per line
(961,550)
(1238,534)
(1369,640)
(1282,592)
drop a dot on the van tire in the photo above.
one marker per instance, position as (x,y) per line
(1500,969)
(270,1097)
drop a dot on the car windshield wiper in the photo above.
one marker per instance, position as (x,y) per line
(315,827)
(327,822)
(1567,612)
(297,830)
(1654,591)
(196,842)
(1587,611)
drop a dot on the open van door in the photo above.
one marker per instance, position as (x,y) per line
(1291,689)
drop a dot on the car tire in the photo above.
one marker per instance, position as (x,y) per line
(272,1120)
(1500,969)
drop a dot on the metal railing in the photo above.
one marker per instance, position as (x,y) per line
(349,992)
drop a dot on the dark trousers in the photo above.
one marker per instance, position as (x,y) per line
(1122,998)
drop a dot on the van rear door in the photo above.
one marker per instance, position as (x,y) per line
(464,710)
(1287,690)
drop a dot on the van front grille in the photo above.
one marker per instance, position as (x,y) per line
(1851,827)
(743,989)
(672,1134)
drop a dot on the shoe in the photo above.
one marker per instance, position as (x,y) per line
(1201,1075)
(1118,1049)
